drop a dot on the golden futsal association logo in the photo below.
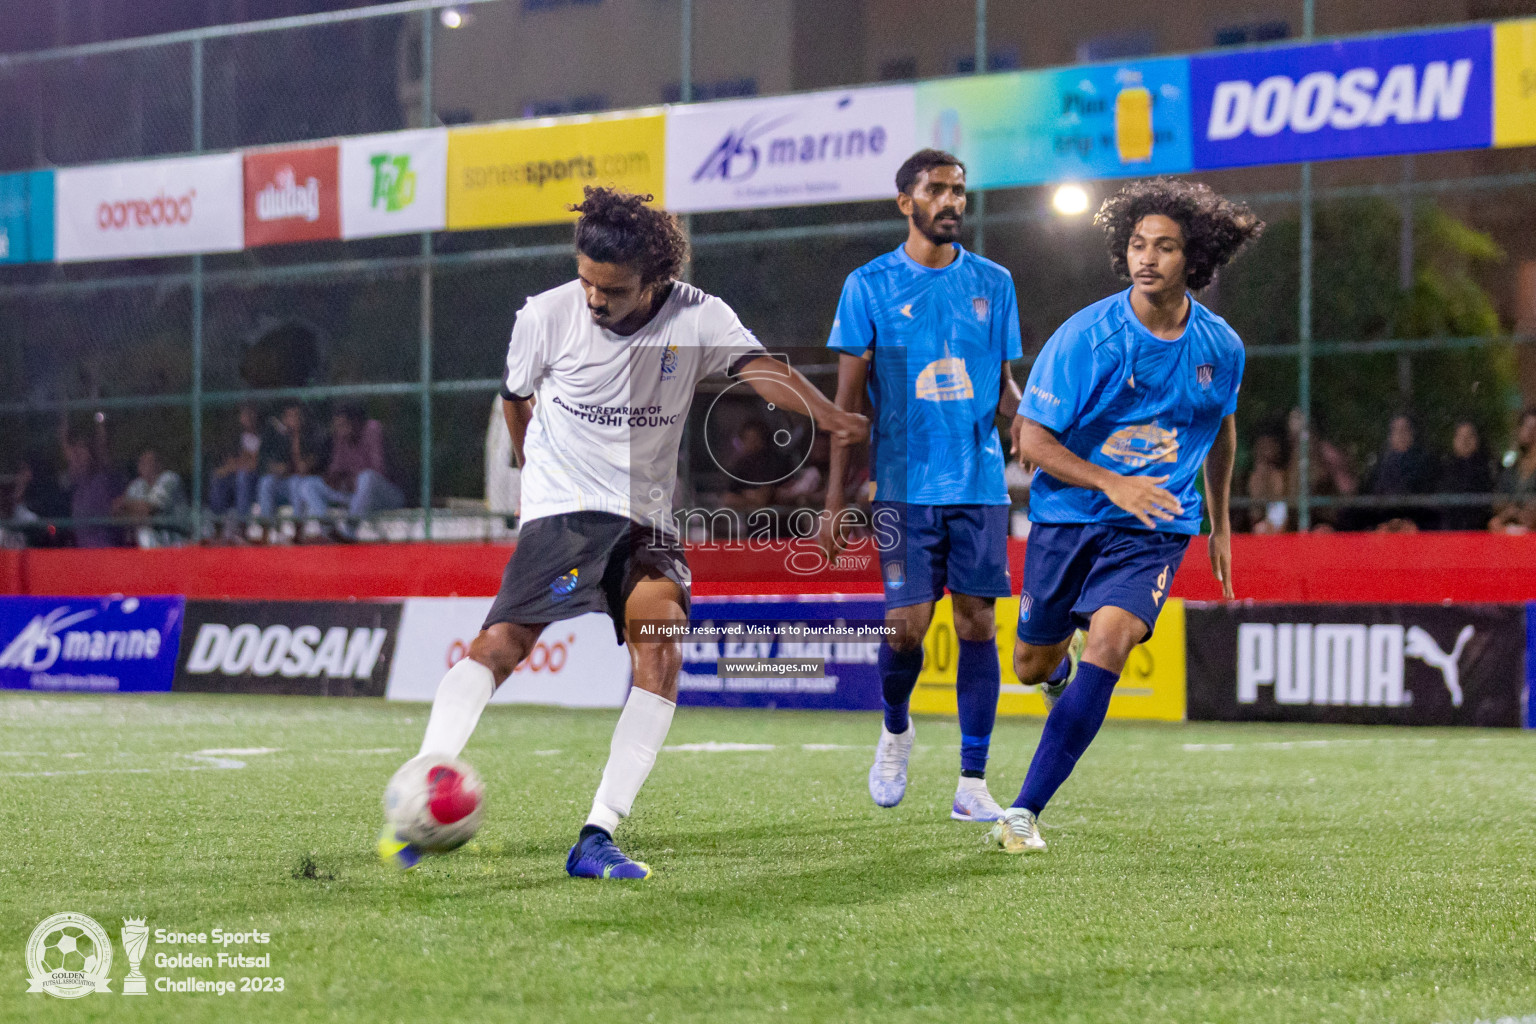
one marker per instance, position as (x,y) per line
(69,956)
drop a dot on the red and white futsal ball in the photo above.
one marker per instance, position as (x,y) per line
(435,802)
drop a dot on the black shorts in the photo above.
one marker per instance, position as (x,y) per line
(577,562)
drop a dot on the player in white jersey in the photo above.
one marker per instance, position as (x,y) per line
(600,376)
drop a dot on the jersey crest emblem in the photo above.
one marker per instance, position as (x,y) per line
(561,588)
(1204,374)
(945,380)
(669,361)
(1142,445)
(980,307)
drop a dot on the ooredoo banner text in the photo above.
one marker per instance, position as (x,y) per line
(575,663)
(149,208)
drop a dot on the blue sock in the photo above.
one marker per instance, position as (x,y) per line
(1070,727)
(1061,671)
(898,677)
(977,684)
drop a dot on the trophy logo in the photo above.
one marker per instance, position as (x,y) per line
(135,938)
(69,956)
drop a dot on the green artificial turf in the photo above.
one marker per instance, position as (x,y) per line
(1196,872)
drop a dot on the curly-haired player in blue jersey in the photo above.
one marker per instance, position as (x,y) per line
(1126,403)
(925,334)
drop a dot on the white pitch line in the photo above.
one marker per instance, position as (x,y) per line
(125,771)
(1302,745)
(233,751)
(713,747)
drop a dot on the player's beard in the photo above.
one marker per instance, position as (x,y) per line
(939,232)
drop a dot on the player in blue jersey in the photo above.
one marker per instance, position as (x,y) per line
(925,333)
(1125,405)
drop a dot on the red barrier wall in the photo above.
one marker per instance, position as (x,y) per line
(1429,567)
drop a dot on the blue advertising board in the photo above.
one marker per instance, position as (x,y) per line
(26,217)
(1362,97)
(94,644)
(852,675)
(1530,666)
(1027,127)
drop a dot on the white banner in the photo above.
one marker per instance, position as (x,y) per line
(824,147)
(576,663)
(150,208)
(394,183)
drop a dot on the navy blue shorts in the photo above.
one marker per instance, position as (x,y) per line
(1072,570)
(924,548)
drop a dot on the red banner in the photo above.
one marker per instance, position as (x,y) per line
(291,195)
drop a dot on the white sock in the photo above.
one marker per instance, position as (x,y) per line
(637,739)
(461,696)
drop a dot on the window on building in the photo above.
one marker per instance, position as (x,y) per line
(1117,46)
(570,105)
(725,88)
(1003,58)
(1251,32)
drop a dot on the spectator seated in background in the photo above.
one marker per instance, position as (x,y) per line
(31,496)
(291,448)
(1467,471)
(356,477)
(1018,475)
(232,486)
(1402,469)
(1328,473)
(1267,485)
(1517,513)
(92,484)
(755,466)
(808,486)
(156,493)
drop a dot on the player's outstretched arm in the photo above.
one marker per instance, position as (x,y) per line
(852,373)
(1141,496)
(788,388)
(1218,490)
(518,413)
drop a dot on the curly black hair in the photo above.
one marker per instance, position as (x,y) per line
(618,227)
(1215,229)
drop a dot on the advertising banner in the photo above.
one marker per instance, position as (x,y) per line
(322,648)
(149,208)
(1152,686)
(1357,664)
(529,172)
(26,217)
(292,195)
(1363,97)
(1023,128)
(394,183)
(94,644)
(823,147)
(1530,666)
(576,663)
(849,679)
(1514,83)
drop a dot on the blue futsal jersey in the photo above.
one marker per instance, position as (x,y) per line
(1118,396)
(937,341)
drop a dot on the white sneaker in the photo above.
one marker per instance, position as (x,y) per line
(888,775)
(1052,691)
(973,802)
(1017,832)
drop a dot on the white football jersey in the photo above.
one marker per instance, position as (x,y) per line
(609,411)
